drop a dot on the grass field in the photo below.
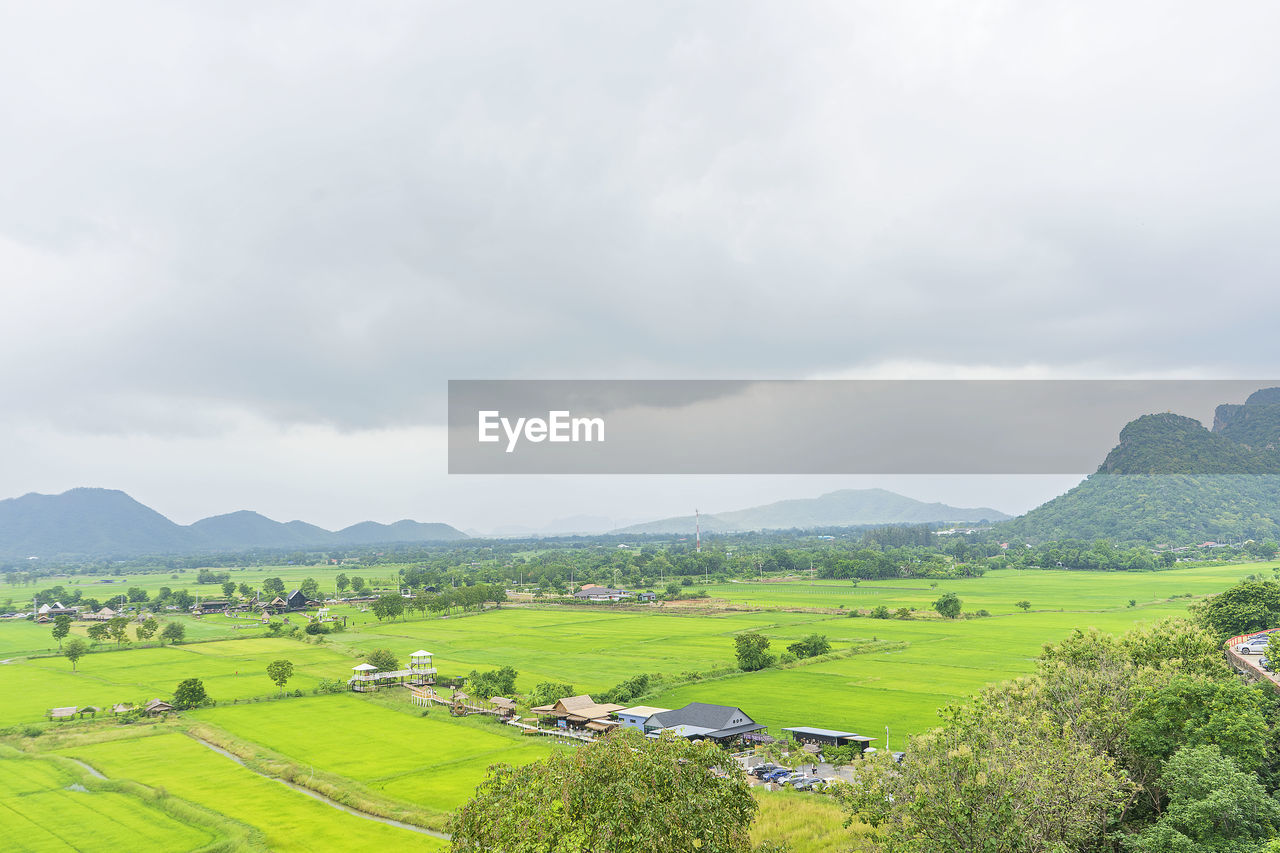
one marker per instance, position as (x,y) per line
(433,761)
(290,820)
(43,807)
(235,669)
(883,673)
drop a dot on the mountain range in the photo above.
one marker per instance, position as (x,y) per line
(1171,479)
(844,508)
(107,522)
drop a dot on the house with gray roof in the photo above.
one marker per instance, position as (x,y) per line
(699,720)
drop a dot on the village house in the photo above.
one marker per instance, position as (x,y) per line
(637,716)
(699,720)
(827,737)
(581,712)
(601,593)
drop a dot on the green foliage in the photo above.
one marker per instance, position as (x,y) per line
(273,586)
(494,682)
(61,627)
(1196,711)
(75,649)
(97,631)
(118,629)
(550,692)
(752,651)
(389,606)
(811,646)
(948,605)
(623,793)
(190,693)
(315,628)
(280,671)
(384,659)
(991,778)
(331,686)
(1246,607)
(1214,807)
(147,628)
(1177,508)
(1023,605)
(174,632)
(310,588)
(880,612)
(625,691)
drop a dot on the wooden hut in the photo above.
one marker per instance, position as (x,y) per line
(156,707)
(67,713)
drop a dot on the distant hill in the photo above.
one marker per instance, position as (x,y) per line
(844,508)
(107,522)
(1172,480)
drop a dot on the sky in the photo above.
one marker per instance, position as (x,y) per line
(244,246)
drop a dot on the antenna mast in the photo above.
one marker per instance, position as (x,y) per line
(697,528)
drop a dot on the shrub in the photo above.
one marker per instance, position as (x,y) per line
(328,686)
(880,612)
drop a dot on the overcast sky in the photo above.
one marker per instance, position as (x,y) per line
(243,246)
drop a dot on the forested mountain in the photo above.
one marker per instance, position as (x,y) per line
(844,508)
(107,522)
(1171,480)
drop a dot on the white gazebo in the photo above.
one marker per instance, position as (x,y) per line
(365,677)
(421,668)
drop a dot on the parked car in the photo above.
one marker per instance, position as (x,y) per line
(780,775)
(803,783)
(1252,647)
(1265,664)
(760,770)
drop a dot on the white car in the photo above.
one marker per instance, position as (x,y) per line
(1253,647)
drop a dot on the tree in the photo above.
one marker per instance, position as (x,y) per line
(991,778)
(811,646)
(624,793)
(118,628)
(384,659)
(1213,806)
(948,606)
(147,629)
(97,632)
(190,694)
(1024,604)
(173,632)
(388,606)
(280,671)
(357,584)
(310,588)
(245,590)
(182,599)
(753,651)
(75,649)
(550,692)
(1245,607)
(61,627)
(229,588)
(342,581)
(495,682)
(274,586)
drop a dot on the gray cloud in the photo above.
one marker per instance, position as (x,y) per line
(318,214)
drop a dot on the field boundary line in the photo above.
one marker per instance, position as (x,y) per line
(314,794)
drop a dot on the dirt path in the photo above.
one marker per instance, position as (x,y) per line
(316,795)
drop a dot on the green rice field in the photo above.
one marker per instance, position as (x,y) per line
(289,820)
(885,678)
(46,807)
(432,761)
